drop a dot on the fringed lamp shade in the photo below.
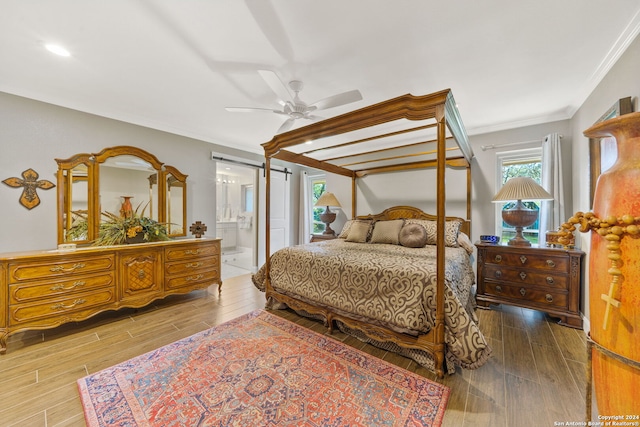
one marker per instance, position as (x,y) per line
(328,199)
(519,189)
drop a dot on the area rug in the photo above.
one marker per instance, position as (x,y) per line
(260,370)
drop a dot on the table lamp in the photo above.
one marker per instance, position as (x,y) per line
(519,189)
(328,199)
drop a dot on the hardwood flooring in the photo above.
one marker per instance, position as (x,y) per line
(536,376)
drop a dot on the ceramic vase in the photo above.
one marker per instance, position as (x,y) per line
(617,382)
(126,210)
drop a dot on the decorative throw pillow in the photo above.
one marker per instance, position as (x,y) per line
(465,242)
(359,232)
(413,236)
(386,231)
(345,229)
(451,230)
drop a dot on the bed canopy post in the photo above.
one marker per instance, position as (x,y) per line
(267,221)
(469,192)
(353,196)
(440,241)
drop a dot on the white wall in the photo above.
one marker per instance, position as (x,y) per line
(621,81)
(33,134)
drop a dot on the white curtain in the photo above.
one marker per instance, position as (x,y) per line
(304,232)
(552,212)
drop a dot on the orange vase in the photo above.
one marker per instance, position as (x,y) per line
(617,383)
(126,210)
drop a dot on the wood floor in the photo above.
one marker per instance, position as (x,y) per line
(536,376)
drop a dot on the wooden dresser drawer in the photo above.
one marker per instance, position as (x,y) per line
(19,272)
(192,251)
(58,310)
(23,292)
(530,294)
(532,277)
(190,266)
(544,262)
(205,277)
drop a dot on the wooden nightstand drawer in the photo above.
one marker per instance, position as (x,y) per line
(528,260)
(532,277)
(547,279)
(526,293)
(322,237)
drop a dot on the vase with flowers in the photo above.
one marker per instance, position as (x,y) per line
(119,230)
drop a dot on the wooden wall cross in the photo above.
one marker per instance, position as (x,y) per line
(30,183)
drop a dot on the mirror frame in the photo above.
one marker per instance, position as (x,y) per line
(93,162)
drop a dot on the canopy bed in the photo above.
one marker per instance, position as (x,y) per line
(432,315)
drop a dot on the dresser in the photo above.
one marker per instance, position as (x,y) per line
(45,289)
(545,279)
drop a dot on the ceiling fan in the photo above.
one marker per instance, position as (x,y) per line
(293,106)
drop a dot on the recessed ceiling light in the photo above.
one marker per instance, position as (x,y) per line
(57,49)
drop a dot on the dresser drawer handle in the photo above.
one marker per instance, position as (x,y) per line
(498,258)
(194,265)
(192,278)
(59,268)
(61,306)
(498,274)
(549,298)
(141,274)
(550,280)
(550,263)
(523,259)
(523,291)
(78,284)
(192,252)
(523,275)
(498,288)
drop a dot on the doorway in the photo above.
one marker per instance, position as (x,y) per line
(236,213)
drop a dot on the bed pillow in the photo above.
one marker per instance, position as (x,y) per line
(386,231)
(345,229)
(413,236)
(359,232)
(465,242)
(451,230)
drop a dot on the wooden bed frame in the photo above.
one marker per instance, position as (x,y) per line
(436,113)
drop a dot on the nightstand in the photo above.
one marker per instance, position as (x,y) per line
(545,279)
(321,237)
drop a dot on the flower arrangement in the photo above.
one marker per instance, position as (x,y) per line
(118,230)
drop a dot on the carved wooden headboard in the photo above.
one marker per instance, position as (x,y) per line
(399,212)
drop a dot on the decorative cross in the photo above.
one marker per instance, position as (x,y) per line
(29,198)
(198,229)
(610,300)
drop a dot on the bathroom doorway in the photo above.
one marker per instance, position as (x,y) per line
(236,212)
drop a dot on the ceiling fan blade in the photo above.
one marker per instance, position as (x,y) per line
(286,125)
(337,100)
(276,85)
(251,110)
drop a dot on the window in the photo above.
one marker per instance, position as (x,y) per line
(317,185)
(511,164)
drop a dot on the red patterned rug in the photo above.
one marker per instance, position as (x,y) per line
(260,370)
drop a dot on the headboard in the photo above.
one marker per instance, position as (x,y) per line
(399,212)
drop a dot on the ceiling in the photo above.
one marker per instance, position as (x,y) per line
(175,65)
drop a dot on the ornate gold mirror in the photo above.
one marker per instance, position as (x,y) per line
(176,206)
(118,179)
(75,183)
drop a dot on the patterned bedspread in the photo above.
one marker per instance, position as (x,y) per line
(388,285)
